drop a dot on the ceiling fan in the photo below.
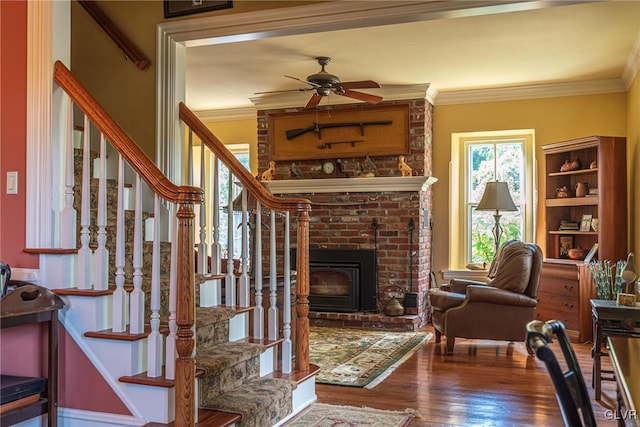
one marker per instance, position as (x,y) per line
(324,83)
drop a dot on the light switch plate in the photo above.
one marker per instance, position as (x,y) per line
(12,182)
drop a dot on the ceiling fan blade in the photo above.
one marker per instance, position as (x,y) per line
(361,84)
(313,101)
(303,81)
(371,99)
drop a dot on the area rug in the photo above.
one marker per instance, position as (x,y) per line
(323,415)
(359,357)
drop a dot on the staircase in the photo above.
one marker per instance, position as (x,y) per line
(169,340)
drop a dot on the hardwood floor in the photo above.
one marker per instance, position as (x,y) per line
(481,384)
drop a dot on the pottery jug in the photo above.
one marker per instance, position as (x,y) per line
(393,308)
(582,188)
(562,191)
(576,164)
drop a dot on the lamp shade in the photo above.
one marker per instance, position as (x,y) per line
(496,197)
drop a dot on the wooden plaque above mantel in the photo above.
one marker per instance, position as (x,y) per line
(350,132)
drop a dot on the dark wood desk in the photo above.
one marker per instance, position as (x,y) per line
(610,319)
(625,357)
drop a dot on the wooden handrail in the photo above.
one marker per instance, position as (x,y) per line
(240,172)
(130,50)
(123,143)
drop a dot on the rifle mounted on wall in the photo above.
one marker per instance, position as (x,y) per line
(317,127)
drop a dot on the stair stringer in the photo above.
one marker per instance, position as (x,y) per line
(114,359)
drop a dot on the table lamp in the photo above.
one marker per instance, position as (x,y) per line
(496,197)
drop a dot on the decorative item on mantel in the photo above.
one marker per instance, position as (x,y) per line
(403,167)
(295,171)
(268,174)
(615,282)
(367,168)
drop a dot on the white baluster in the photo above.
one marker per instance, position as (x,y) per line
(154,350)
(243,285)
(101,254)
(258,311)
(171,354)
(287,350)
(216,250)
(273,282)
(137,296)
(84,253)
(230,279)
(69,215)
(119,295)
(202,245)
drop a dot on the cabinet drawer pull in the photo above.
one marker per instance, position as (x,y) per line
(569,306)
(568,287)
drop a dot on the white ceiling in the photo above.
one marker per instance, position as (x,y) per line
(554,45)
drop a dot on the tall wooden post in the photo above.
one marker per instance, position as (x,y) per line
(302,292)
(185,315)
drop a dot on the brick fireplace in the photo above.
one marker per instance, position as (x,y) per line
(388,214)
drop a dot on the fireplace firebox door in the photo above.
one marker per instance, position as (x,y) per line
(334,287)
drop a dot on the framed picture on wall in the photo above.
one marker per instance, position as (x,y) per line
(174,8)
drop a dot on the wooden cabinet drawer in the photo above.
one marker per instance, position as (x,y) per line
(561,287)
(567,310)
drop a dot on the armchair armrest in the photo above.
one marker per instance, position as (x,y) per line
(460,285)
(492,295)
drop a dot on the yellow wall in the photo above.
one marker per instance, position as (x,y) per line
(633,157)
(119,86)
(239,132)
(553,119)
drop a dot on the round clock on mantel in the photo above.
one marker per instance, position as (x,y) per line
(328,167)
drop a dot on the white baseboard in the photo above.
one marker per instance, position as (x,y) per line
(68,417)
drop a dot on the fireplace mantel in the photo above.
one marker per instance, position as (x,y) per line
(351,185)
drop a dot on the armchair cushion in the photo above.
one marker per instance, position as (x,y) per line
(491,295)
(513,269)
(442,300)
(460,285)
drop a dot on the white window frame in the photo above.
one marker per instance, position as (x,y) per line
(459,226)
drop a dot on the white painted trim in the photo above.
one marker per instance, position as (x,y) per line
(70,417)
(477,275)
(46,110)
(590,87)
(227,114)
(173,37)
(350,185)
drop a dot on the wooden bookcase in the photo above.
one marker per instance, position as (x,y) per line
(565,284)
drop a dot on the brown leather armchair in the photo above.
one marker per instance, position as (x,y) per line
(498,309)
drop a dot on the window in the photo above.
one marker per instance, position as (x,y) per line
(477,158)
(241,152)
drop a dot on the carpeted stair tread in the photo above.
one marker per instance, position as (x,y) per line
(209,315)
(225,355)
(262,401)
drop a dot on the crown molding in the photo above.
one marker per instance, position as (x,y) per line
(227,114)
(590,87)
(633,63)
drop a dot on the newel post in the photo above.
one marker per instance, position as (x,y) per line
(185,309)
(302,292)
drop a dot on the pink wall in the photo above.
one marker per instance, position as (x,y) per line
(77,374)
(13,132)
